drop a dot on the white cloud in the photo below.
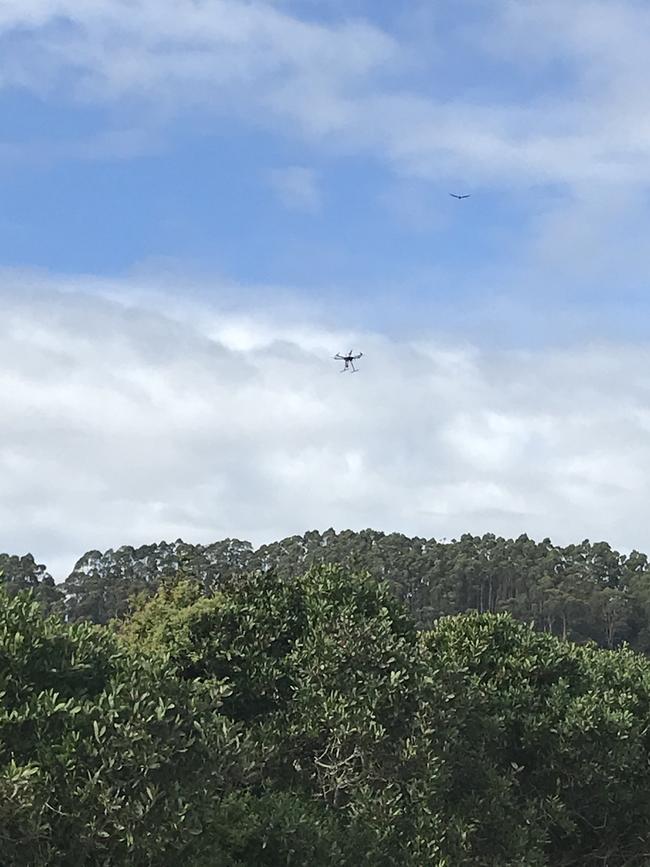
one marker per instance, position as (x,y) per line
(114,48)
(346,84)
(127,423)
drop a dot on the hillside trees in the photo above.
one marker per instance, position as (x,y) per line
(101,584)
(580,592)
(584,592)
(23,573)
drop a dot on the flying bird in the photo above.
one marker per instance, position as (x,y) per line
(459,197)
(349,360)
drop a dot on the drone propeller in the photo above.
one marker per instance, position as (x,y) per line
(348,359)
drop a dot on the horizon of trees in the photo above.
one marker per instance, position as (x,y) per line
(581,592)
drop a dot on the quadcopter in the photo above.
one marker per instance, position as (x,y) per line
(349,360)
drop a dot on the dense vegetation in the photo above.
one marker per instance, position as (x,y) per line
(305,720)
(582,592)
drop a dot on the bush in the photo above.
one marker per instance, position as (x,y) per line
(546,748)
(105,757)
(305,721)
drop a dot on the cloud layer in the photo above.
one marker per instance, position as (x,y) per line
(127,422)
(566,101)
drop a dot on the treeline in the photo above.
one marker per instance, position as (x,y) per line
(583,592)
(305,720)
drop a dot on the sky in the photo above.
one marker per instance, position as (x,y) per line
(202,201)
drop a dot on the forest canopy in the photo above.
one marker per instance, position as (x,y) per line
(584,592)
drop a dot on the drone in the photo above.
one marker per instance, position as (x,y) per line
(349,360)
(455,196)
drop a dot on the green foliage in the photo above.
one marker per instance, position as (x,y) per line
(101,585)
(271,637)
(283,828)
(23,573)
(585,592)
(481,742)
(105,757)
(323,671)
(549,756)
(177,623)
(292,719)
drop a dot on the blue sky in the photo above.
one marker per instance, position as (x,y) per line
(210,192)
(290,171)
(273,178)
